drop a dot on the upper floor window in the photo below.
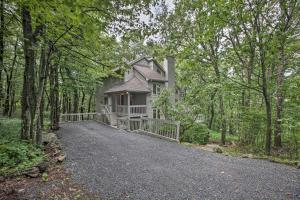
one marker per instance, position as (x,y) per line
(156,89)
(158,71)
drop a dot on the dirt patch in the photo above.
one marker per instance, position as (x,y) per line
(55,184)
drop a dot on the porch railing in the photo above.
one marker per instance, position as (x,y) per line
(105,109)
(133,109)
(138,109)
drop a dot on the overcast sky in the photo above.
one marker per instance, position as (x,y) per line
(157,9)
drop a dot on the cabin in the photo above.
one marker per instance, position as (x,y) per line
(132,96)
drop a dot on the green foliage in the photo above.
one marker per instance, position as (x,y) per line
(221,59)
(15,154)
(215,136)
(163,103)
(197,134)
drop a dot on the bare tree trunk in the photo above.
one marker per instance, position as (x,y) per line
(1,47)
(82,102)
(64,102)
(279,97)
(212,109)
(28,82)
(54,97)
(221,107)
(9,84)
(267,102)
(12,103)
(223,120)
(90,102)
(42,79)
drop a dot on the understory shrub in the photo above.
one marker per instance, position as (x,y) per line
(197,134)
(16,154)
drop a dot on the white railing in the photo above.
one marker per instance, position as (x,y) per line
(133,109)
(138,109)
(162,128)
(71,117)
(106,109)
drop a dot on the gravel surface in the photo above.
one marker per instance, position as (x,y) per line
(115,164)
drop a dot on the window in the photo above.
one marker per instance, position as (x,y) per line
(156,113)
(156,89)
(158,71)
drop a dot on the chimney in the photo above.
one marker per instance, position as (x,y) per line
(169,66)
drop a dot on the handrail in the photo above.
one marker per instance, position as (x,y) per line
(133,109)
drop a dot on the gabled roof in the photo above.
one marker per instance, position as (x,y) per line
(148,59)
(132,85)
(149,73)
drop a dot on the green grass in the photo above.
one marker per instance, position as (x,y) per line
(216,137)
(16,154)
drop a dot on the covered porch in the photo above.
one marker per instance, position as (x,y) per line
(132,104)
(128,99)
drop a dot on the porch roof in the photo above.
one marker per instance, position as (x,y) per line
(132,85)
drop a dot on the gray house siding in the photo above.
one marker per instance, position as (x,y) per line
(148,78)
(108,83)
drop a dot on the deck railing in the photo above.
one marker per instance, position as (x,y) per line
(163,128)
(133,109)
(138,109)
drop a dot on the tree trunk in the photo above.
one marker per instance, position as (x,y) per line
(42,79)
(9,84)
(223,120)
(54,97)
(12,103)
(267,102)
(90,102)
(28,82)
(279,97)
(82,102)
(212,109)
(221,106)
(1,47)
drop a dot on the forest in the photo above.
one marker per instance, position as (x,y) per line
(237,65)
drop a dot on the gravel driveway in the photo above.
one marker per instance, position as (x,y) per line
(116,164)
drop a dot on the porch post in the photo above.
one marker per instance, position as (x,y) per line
(128,111)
